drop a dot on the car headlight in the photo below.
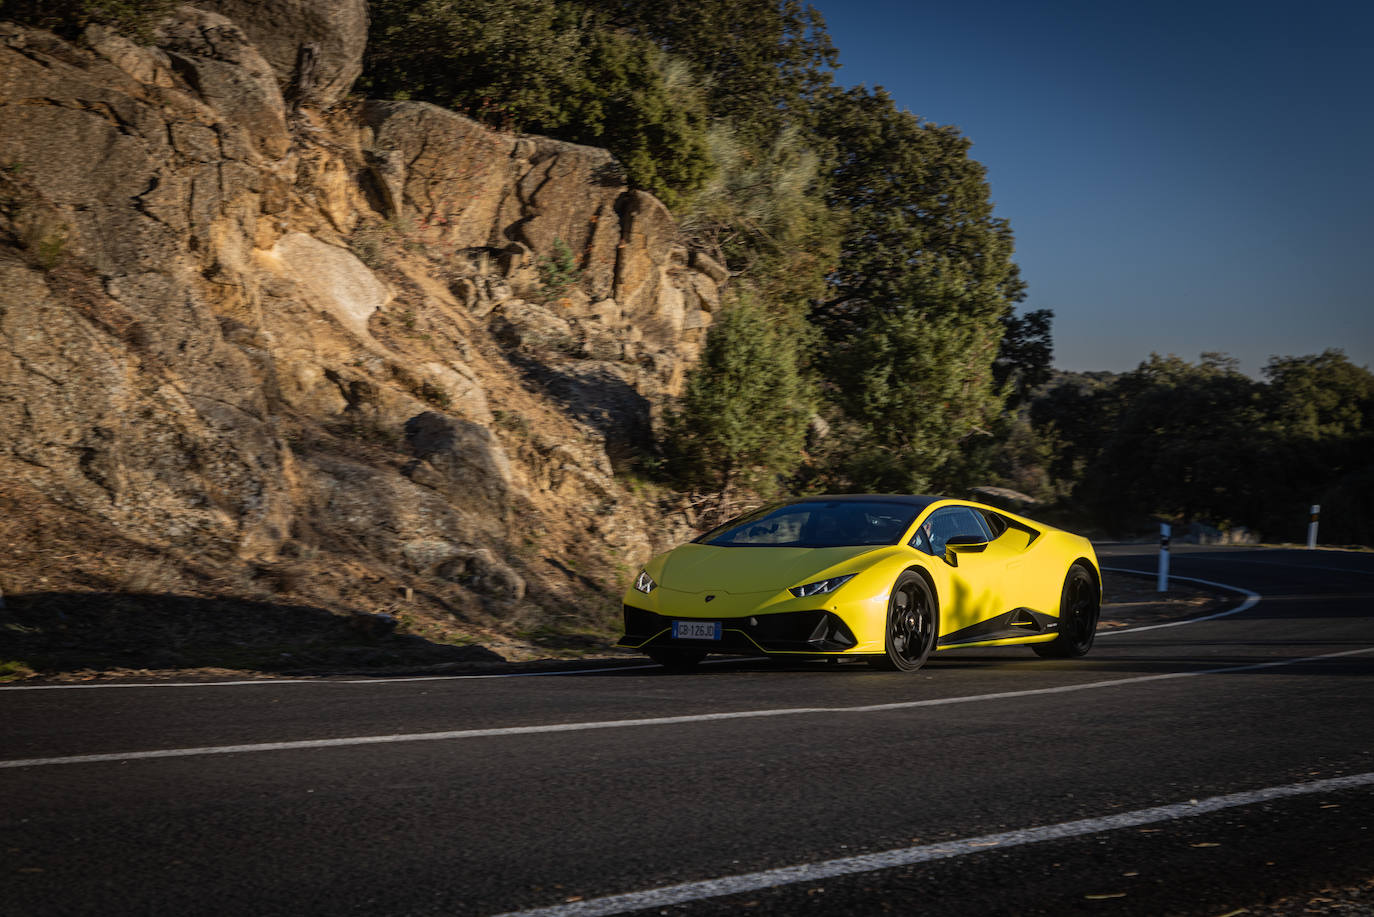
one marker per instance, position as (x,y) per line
(820,587)
(645,583)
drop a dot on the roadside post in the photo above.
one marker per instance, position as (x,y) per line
(1164,531)
(1312,527)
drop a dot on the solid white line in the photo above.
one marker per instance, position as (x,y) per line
(656,721)
(909,856)
(1251,600)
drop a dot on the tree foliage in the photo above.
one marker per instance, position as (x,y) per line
(1023,357)
(1203,442)
(545,67)
(763,61)
(742,420)
(915,307)
(921,231)
(919,385)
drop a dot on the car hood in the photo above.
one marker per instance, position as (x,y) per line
(702,567)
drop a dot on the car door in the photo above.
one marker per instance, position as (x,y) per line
(975,581)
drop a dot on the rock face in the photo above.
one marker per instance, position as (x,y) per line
(315,47)
(380,343)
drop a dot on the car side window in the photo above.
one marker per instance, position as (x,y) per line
(943,524)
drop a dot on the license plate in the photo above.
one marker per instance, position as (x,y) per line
(696,630)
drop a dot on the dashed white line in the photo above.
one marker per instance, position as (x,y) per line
(458,734)
(910,856)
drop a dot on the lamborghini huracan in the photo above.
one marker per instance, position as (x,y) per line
(888,578)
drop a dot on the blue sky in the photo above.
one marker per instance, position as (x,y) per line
(1181,177)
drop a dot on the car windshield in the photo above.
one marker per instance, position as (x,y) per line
(817,524)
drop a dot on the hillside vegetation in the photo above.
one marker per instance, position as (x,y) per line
(869,235)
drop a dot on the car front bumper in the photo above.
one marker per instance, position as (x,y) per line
(791,632)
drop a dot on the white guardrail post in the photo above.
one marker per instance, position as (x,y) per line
(1312,527)
(1164,530)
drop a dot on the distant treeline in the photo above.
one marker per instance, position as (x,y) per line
(1203,442)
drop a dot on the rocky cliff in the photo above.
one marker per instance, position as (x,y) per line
(264,341)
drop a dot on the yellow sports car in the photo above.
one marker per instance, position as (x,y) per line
(891,578)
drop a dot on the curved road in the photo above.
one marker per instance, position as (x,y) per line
(1196,769)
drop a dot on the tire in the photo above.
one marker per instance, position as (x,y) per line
(912,625)
(676,660)
(1079,606)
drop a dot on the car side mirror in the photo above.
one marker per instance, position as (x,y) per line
(963,544)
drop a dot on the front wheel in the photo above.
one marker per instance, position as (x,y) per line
(911,625)
(1079,606)
(676,660)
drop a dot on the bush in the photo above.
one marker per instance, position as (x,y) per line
(742,421)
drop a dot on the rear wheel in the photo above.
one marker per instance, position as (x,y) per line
(911,625)
(676,660)
(1079,606)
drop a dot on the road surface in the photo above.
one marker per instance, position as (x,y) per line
(1194,769)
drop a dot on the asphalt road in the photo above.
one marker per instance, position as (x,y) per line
(1173,771)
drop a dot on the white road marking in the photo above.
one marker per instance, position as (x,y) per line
(659,721)
(1251,600)
(910,856)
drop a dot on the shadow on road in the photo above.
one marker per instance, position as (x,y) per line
(64,632)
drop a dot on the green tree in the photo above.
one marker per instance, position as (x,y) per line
(547,67)
(921,228)
(915,310)
(919,386)
(1321,396)
(763,61)
(742,421)
(1023,357)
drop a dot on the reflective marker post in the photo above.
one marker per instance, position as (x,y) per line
(1312,527)
(1164,530)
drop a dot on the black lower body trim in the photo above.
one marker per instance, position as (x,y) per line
(784,632)
(1019,622)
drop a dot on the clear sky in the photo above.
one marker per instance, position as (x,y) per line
(1180,177)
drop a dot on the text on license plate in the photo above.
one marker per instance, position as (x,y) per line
(696,630)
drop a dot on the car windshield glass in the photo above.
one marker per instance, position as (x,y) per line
(817,524)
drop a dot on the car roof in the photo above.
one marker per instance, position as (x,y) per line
(918,500)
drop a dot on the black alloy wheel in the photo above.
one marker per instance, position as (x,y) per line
(1079,607)
(911,624)
(675,659)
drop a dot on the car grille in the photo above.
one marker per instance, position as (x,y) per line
(784,632)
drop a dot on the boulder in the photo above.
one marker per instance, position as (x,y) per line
(315,47)
(220,63)
(327,278)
